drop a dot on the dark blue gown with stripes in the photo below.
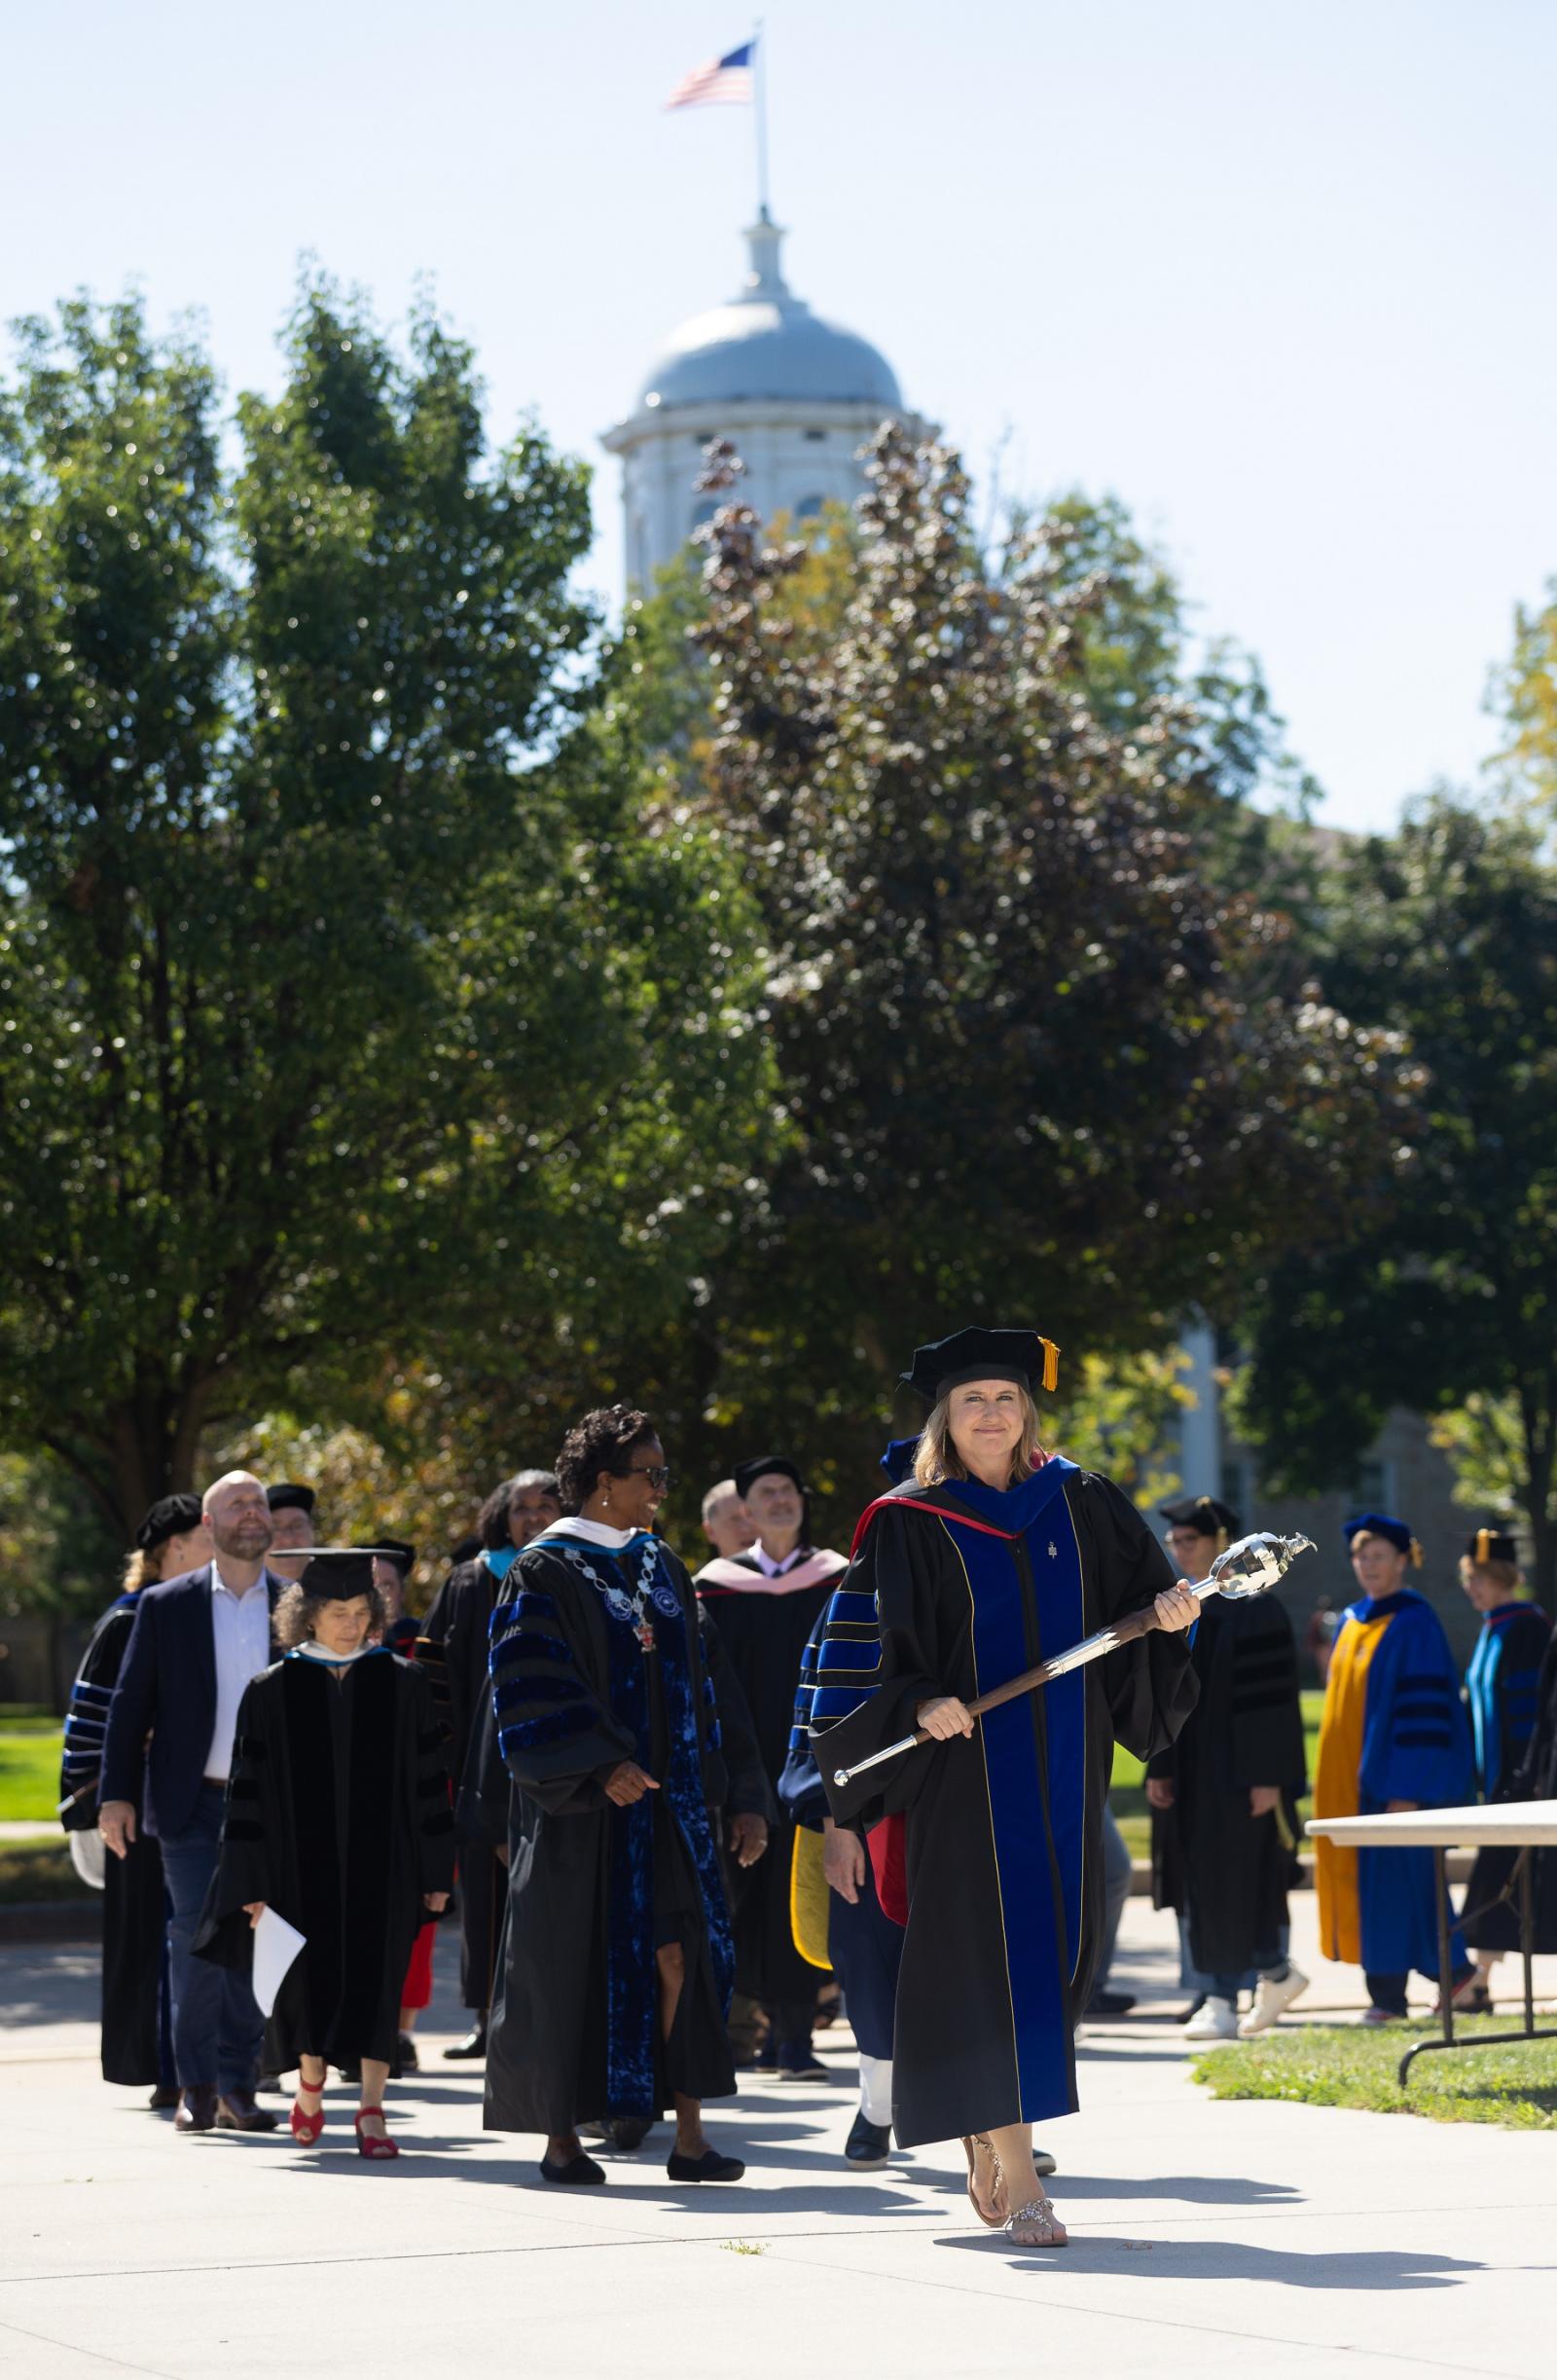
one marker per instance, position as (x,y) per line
(594,1890)
(136,2043)
(1502,1698)
(1003,1830)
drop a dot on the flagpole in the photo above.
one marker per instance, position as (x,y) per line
(760,111)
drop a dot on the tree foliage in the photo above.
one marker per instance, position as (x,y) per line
(1445,934)
(1038,1064)
(345,1000)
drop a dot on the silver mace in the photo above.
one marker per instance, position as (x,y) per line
(1251,1566)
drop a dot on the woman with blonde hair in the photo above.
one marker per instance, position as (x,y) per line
(995,1557)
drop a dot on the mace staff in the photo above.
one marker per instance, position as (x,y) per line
(1249,1567)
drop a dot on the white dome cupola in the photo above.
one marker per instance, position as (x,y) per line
(797,396)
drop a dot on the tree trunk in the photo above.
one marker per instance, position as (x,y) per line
(1539,1425)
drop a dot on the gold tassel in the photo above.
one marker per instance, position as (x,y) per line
(1418,1557)
(1051,1367)
(1483,1545)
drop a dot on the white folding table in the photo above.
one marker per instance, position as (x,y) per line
(1519,1826)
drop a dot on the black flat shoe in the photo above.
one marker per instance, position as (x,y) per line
(709,2167)
(579,2169)
(868,2145)
(474,2044)
(1109,2003)
(166,2095)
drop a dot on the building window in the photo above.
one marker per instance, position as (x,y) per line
(810,508)
(1238,1484)
(1371,1489)
(815,437)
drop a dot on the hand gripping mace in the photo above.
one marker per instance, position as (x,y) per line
(1249,1567)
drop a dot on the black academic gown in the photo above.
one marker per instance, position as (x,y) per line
(337,1819)
(594,1889)
(765,1631)
(134,1901)
(1229,1871)
(453,1648)
(1003,1830)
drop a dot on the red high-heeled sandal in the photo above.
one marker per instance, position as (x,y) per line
(368,2143)
(305,2128)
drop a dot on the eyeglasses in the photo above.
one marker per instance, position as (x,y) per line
(658,1475)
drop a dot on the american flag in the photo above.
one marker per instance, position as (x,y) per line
(719,82)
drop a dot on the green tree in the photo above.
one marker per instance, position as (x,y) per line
(1443,1295)
(345,1003)
(1036,1064)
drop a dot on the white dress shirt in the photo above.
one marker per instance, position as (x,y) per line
(758,1552)
(240,1632)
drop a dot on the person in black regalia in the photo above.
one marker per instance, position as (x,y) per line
(1224,1795)
(768,1602)
(453,1648)
(997,1556)
(337,1819)
(616,1966)
(136,2017)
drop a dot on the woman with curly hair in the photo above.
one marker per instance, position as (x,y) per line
(337,1819)
(616,1968)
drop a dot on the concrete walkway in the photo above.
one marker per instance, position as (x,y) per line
(1207,2237)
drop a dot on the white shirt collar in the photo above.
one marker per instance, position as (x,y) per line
(219,1585)
(758,1552)
(592,1532)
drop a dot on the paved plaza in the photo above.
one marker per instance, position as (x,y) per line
(1207,2237)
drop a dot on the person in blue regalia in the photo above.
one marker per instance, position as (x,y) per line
(608,1704)
(1502,1699)
(989,1840)
(1392,1736)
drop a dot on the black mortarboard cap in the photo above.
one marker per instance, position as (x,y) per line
(976,1354)
(1207,1513)
(745,1473)
(1384,1525)
(340,1572)
(1493,1543)
(393,1550)
(170,1517)
(289,1495)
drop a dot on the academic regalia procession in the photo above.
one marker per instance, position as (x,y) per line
(1227,1872)
(597,1658)
(136,2047)
(1394,1730)
(955,1587)
(337,1819)
(767,1612)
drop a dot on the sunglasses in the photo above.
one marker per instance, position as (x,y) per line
(658,1475)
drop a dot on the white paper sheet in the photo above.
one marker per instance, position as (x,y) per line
(275,1945)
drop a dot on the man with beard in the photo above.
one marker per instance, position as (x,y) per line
(194,1646)
(453,1647)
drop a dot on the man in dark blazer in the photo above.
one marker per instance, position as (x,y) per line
(196,1642)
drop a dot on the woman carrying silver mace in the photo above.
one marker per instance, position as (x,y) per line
(972,1578)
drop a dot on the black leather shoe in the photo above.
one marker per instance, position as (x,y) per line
(709,2167)
(407,2061)
(578,2171)
(868,2145)
(474,2044)
(166,2095)
(197,2109)
(1109,2003)
(240,2111)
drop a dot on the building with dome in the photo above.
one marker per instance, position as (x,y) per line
(796,395)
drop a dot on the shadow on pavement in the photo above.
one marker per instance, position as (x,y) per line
(1369,2269)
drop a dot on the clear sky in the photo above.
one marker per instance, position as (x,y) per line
(1279,272)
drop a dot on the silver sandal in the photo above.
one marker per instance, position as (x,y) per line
(1038,2211)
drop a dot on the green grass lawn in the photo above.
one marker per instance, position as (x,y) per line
(1336,2065)
(1128,1798)
(30,1769)
(39,1872)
